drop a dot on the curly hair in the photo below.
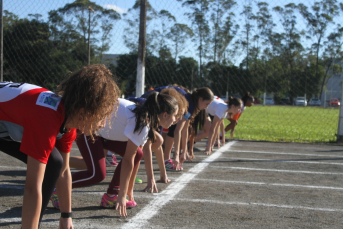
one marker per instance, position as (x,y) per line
(93,89)
(181,100)
(147,114)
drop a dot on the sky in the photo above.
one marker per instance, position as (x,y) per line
(24,8)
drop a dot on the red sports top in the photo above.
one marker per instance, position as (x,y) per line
(33,116)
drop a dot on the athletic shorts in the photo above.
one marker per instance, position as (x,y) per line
(171,131)
(211,117)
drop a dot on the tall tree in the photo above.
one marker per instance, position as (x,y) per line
(222,27)
(178,34)
(75,17)
(288,43)
(247,31)
(198,16)
(166,19)
(333,54)
(318,17)
(265,25)
(131,31)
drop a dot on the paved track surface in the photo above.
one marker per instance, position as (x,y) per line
(242,185)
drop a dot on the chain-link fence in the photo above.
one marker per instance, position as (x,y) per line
(277,50)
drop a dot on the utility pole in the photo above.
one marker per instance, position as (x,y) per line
(140,80)
(90,9)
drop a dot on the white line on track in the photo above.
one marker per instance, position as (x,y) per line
(262,205)
(284,153)
(13,167)
(275,170)
(277,160)
(270,184)
(15,186)
(152,196)
(142,217)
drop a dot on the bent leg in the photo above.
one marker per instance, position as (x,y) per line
(93,155)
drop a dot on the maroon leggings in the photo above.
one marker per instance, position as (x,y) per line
(93,155)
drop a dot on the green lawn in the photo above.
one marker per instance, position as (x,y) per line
(287,123)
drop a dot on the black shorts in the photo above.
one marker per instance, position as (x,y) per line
(211,117)
(171,131)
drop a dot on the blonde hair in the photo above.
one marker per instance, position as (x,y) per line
(181,100)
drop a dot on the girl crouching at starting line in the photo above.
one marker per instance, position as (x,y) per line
(156,147)
(37,127)
(128,129)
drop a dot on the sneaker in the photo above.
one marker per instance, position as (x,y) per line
(110,202)
(170,166)
(111,160)
(138,181)
(54,200)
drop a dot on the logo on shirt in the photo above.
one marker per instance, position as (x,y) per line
(48,99)
(186,116)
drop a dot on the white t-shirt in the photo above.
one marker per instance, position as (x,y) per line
(123,123)
(217,108)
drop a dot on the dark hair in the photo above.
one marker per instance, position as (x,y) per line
(91,88)
(234,101)
(198,123)
(205,93)
(248,98)
(147,114)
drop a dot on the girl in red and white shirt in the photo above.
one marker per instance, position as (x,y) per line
(38,128)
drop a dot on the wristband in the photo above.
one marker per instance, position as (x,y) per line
(66,214)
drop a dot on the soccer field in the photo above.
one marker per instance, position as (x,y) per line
(287,123)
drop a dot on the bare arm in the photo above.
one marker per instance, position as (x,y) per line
(222,131)
(63,188)
(212,135)
(161,165)
(177,141)
(32,193)
(125,175)
(147,155)
(184,139)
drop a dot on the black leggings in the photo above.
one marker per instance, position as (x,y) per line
(52,170)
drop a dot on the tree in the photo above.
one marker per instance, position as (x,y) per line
(248,27)
(131,32)
(222,27)
(198,16)
(318,17)
(178,34)
(28,52)
(165,17)
(188,69)
(75,17)
(264,26)
(333,54)
(288,45)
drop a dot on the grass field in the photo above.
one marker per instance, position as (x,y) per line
(287,123)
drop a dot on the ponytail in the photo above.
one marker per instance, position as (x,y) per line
(234,101)
(198,123)
(147,114)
